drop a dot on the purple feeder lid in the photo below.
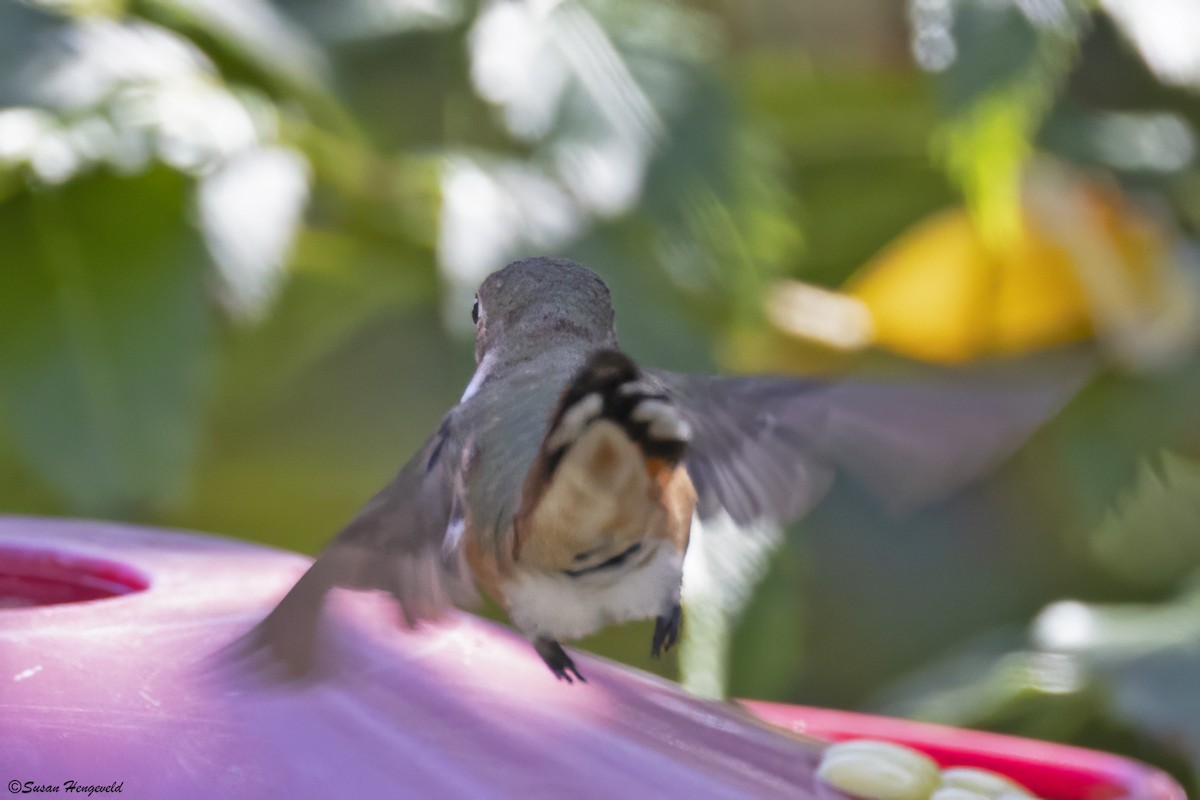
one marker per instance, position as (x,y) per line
(106,633)
(106,638)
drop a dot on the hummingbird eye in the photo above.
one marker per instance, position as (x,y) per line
(475,312)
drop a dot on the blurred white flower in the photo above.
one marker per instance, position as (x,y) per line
(192,124)
(561,84)
(1166,33)
(557,76)
(249,211)
(127,92)
(55,160)
(488,211)
(21,129)
(34,139)
(492,213)
(89,60)
(932,36)
(124,93)
(1070,626)
(1067,626)
(1157,142)
(516,65)
(605,176)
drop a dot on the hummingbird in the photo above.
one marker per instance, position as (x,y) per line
(568,480)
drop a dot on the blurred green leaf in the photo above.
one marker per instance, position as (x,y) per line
(1151,536)
(852,189)
(292,453)
(1139,418)
(249,210)
(107,357)
(339,286)
(1047,696)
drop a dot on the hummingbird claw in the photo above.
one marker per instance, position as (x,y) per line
(557,660)
(666,631)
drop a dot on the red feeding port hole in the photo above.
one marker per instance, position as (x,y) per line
(31,576)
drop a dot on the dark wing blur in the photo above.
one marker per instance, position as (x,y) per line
(752,450)
(769,447)
(396,543)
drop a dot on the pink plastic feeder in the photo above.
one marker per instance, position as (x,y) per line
(106,638)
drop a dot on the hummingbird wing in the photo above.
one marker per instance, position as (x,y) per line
(751,450)
(401,542)
(768,448)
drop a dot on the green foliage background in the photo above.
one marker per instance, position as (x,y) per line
(152,371)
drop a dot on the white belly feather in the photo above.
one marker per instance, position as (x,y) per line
(559,606)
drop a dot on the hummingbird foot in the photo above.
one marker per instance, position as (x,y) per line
(557,660)
(666,631)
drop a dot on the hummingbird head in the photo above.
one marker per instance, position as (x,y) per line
(537,304)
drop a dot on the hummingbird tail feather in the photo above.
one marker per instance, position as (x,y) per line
(611,387)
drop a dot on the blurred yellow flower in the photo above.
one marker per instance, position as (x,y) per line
(1085,262)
